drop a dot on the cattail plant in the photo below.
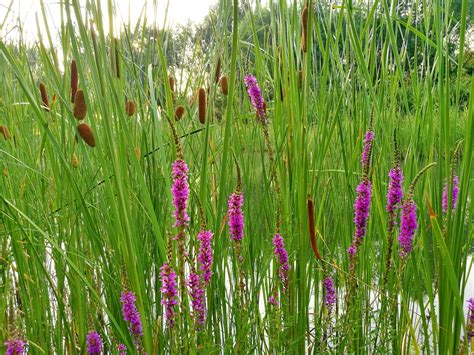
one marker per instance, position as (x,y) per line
(179,112)
(202,106)
(171,81)
(74,80)
(44,97)
(94,343)
(86,134)
(80,108)
(130,108)
(130,314)
(217,73)
(224,85)
(15,346)
(304,25)
(5,132)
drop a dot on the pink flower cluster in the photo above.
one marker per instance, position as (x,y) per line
(282,258)
(236,217)
(180,191)
(169,292)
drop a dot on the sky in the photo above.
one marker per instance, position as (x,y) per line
(179,12)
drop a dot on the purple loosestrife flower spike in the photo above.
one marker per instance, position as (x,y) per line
(395,193)
(122,349)
(15,347)
(236,217)
(408,226)
(205,256)
(455,192)
(198,300)
(361,214)
(131,315)
(273,301)
(282,258)
(94,343)
(368,141)
(255,97)
(180,191)
(470,320)
(169,292)
(330,292)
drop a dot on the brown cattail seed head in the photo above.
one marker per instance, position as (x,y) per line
(74,161)
(304,23)
(202,105)
(130,108)
(5,132)
(179,112)
(44,97)
(80,108)
(74,80)
(224,85)
(218,71)
(300,78)
(171,81)
(86,134)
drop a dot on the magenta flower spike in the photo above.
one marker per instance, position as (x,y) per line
(169,293)
(330,292)
(273,301)
(470,320)
(130,314)
(205,256)
(15,347)
(408,226)
(256,97)
(282,258)
(395,193)
(236,217)
(94,343)
(361,214)
(180,191)
(198,299)
(122,349)
(455,193)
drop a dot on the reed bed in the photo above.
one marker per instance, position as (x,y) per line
(304,185)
